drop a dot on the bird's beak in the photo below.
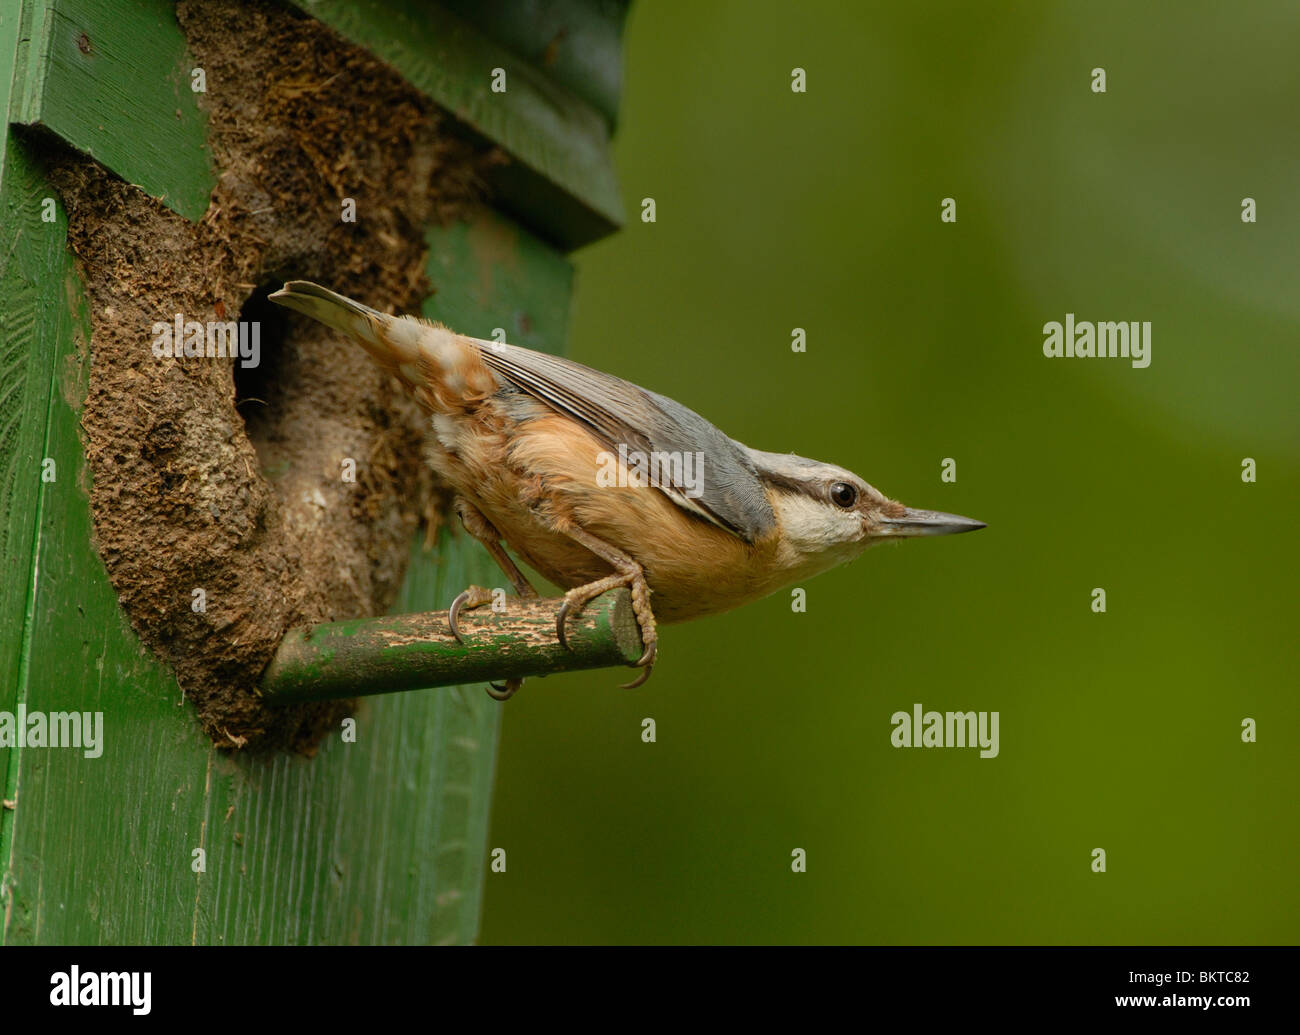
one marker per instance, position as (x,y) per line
(914,523)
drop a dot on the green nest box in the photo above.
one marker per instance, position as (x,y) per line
(130,814)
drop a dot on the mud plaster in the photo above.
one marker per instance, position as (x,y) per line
(207,476)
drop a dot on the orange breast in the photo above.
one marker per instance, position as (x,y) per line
(533,478)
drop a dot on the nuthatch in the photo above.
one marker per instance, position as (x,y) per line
(597,483)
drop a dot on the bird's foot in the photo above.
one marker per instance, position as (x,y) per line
(474,596)
(645,620)
(577,598)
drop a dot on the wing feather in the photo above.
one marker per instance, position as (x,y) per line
(730,493)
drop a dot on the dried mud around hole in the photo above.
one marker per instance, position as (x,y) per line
(209,476)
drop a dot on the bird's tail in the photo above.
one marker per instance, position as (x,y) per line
(443,370)
(332,309)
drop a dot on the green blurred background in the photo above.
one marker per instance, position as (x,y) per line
(1119,730)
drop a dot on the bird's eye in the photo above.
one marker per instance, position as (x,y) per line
(843,495)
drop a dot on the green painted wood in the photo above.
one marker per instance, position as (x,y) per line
(560,181)
(97,848)
(20,427)
(32,320)
(77,832)
(111,78)
(507,283)
(11,31)
(578,43)
(82,74)
(378,841)
(382,841)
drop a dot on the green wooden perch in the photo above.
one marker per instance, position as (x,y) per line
(410,652)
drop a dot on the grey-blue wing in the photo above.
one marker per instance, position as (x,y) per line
(693,463)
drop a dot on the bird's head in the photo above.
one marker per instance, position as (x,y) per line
(827,513)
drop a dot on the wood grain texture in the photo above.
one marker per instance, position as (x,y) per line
(560,180)
(111,78)
(578,43)
(32,264)
(379,841)
(490,274)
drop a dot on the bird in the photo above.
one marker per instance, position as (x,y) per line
(597,483)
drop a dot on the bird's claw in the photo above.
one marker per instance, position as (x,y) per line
(639,680)
(559,625)
(577,598)
(453,615)
(647,665)
(472,597)
(505,691)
